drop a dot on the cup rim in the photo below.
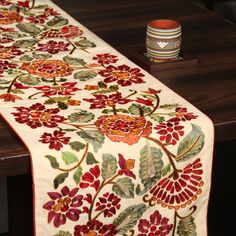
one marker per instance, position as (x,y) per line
(164,24)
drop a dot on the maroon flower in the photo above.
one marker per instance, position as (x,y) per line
(101,101)
(64,89)
(126,166)
(37,115)
(105,58)
(91,178)
(156,225)
(9,52)
(170,131)
(5,2)
(95,228)
(53,47)
(24,4)
(51,12)
(147,102)
(55,140)
(63,205)
(109,203)
(71,31)
(152,91)
(19,85)
(4,65)
(180,189)
(124,75)
(6,40)
(183,114)
(40,19)
(8,97)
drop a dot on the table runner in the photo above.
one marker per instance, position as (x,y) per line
(113,150)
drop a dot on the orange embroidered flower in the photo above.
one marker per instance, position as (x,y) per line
(91,87)
(48,68)
(72,102)
(9,52)
(9,17)
(123,128)
(8,97)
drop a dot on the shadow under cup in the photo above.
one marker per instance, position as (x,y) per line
(163,39)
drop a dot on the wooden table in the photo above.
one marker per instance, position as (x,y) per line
(209,85)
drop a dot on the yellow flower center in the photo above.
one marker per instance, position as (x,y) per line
(121,75)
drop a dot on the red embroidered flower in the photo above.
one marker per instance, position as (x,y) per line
(66,88)
(53,47)
(180,189)
(156,225)
(123,75)
(91,178)
(105,58)
(101,101)
(152,91)
(55,140)
(9,52)
(51,12)
(147,102)
(5,2)
(24,4)
(8,97)
(109,203)
(10,17)
(71,31)
(6,40)
(63,205)
(40,19)
(48,68)
(50,34)
(95,228)
(126,166)
(169,132)
(183,114)
(4,65)
(123,128)
(37,115)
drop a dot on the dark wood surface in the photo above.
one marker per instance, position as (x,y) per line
(210,85)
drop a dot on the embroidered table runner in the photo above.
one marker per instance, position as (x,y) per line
(113,150)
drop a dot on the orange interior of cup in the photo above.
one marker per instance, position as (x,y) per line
(164,24)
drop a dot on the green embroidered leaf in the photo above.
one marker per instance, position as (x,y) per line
(166,170)
(157,117)
(28,28)
(74,61)
(85,75)
(77,146)
(3,81)
(77,175)
(81,117)
(84,43)
(124,187)
(60,179)
(17,91)
(151,166)
(95,137)
(191,145)
(62,105)
(14,35)
(63,233)
(57,21)
(187,227)
(41,55)
(101,84)
(107,111)
(69,158)
(13,8)
(109,166)
(26,58)
(41,6)
(169,106)
(90,159)
(25,43)
(3,88)
(53,161)
(129,218)
(136,109)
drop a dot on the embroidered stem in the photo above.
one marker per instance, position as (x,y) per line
(156,106)
(12,83)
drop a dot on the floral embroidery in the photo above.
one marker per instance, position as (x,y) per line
(9,17)
(53,47)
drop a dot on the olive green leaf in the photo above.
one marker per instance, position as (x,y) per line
(63,233)
(129,218)
(28,28)
(57,21)
(81,117)
(77,175)
(85,75)
(25,43)
(26,58)
(60,179)
(136,109)
(17,91)
(109,166)
(77,146)
(41,55)
(187,227)
(157,117)
(166,170)
(90,159)
(169,106)
(85,43)
(74,61)
(124,187)
(191,145)
(53,161)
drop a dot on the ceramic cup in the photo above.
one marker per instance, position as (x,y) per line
(163,39)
